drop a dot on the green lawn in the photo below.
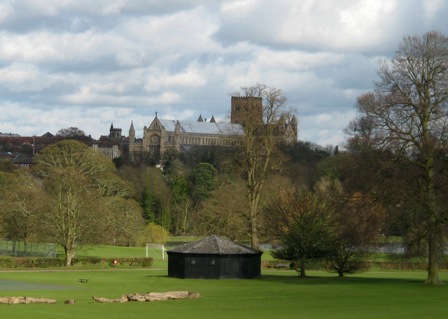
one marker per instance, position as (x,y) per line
(277,294)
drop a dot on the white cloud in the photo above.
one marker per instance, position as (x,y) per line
(192,77)
(6,10)
(81,63)
(343,25)
(327,128)
(433,7)
(22,78)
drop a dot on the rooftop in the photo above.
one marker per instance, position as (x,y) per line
(214,245)
(203,127)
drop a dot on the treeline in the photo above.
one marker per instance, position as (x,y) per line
(76,196)
(72,197)
(319,202)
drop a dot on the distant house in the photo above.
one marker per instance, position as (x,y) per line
(214,258)
(24,160)
(21,149)
(112,144)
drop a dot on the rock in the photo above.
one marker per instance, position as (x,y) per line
(151,296)
(25,300)
(109,300)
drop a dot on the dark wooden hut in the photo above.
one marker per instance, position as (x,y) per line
(214,258)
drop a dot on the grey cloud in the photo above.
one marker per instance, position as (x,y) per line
(88,63)
(81,15)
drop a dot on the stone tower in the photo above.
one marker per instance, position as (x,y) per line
(246,109)
(114,133)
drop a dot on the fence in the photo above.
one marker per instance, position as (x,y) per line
(25,249)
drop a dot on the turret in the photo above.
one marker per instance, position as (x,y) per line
(132,133)
(294,124)
(294,121)
(176,137)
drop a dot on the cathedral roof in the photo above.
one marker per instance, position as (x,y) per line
(203,127)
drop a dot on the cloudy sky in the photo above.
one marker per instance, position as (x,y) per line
(88,64)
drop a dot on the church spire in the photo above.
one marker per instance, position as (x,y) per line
(132,132)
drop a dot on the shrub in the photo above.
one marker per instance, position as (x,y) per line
(154,234)
(40,262)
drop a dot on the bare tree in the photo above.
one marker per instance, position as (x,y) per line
(81,187)
(221,214)
(70,132)
(356,224)
(302,222)
(261,128)
(407,115)
(20,200)
(124,222)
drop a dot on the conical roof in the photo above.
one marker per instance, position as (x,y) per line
(294,120)
(214,245)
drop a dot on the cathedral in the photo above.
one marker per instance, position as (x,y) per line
(162,135)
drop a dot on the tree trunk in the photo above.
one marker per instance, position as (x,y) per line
(433,255)
(185,218)
(255,244)
(69,255)
(434,235)
(302,267)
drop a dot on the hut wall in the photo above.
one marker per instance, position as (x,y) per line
(211,266)
(176,265)
(202,266)
(241,266)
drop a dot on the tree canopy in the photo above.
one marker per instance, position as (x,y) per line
(302,224)
(406,115)
(71,132)
(81,190)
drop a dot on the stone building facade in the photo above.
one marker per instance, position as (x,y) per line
(112,144)
(162,135)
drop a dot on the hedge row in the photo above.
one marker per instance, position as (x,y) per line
(287,264)
(404,265)
(39,262)
(380,265)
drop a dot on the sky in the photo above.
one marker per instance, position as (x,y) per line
(89,64)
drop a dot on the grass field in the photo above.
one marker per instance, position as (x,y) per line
(277,294)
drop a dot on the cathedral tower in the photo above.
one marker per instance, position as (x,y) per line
(246,109)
